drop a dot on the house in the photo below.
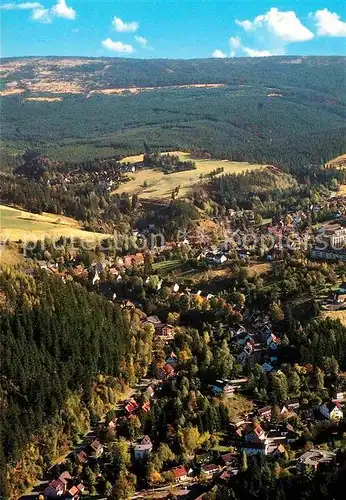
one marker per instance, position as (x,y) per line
(150,391)
(82,457)
(145,406)
(223,388)
(131,406)
(164,330)
(272,342)
(228,458)
(290,405)
(55,489)
(339,394)
(179,473)
(73,493)
(210,469)
(265,413)
(133,260)
(274,450)
(96,448)
(143,450)
(167,371)
(172,360)
(255,435)
(267,367)
(313,458)
(331,411)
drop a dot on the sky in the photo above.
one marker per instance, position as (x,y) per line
(173,28)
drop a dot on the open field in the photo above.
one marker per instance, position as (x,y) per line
(21,225)
(340,315)
(155,184)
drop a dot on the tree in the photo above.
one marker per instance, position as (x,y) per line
(279,386)
(189,439)
(124,486)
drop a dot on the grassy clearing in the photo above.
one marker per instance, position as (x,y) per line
(159,185)
(340,315)
(166,267)
(21,225)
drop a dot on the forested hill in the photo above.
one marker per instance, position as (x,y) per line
(284,110)
(322,73)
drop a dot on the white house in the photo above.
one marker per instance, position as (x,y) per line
(142,450)
(331,411)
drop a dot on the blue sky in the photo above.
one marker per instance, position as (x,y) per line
(173,28)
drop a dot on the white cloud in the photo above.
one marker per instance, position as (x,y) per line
(219,54)
(283,25)
(21,6)
(329,23)
(141,40)
(123,27)
(41,15)
(235,42)
(247,25)
(256,53)
(121,48)
(61,9)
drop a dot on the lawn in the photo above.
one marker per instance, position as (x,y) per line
(340,315)
(21,225)
(167,266)
(155,184)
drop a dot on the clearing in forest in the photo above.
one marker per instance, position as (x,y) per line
(151,183)
(21,225)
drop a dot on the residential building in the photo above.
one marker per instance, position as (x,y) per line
(331,411)
(265,413)
(143,450)
(96,448)
(210,469)
(313,458)
(179,473)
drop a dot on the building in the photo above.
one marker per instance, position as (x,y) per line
(179,473)
(143,450)
(56,488)
(167,371)
(331,411)
(255,435)
(210,469)
(265,413)
(223,388)
(313,458)
(96,448)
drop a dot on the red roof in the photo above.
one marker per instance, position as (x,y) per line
(179,472)
(168,369)
(57,484)
(132,406)
(73,491)
(146,407)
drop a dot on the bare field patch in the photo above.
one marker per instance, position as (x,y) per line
(155,184)
(43,99)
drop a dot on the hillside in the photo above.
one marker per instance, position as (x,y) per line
(269,110)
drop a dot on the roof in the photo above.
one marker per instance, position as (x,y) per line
(96,444)
(265,409)
(179,471)
(73,491)
(209,467)
(56,484)
(82,456)
(228,457)
(169,370)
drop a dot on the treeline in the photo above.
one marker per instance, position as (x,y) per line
(168,163)
(270,191)
(55,337)
(266,479)
(238,123)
